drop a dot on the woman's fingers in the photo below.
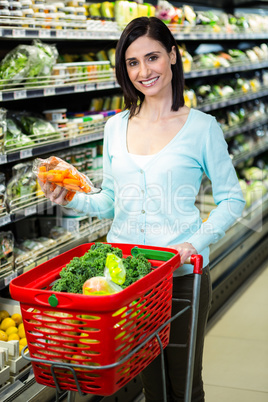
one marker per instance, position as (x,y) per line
(185,250)
(54,193)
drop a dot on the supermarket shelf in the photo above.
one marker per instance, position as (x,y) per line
(55,146)
(233,100)
(51,90)
(241,128)
(91,234)
(103,30)
(259,149)
(225,70)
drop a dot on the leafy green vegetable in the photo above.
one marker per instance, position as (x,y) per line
(28,61)
(37,127)
(14,137)
(92,263)
(136,268)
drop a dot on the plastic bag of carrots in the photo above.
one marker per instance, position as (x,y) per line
(58,172)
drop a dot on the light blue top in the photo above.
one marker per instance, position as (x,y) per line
(156,205)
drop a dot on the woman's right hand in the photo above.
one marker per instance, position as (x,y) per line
(54,193)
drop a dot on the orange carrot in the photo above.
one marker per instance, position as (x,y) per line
(71,181)
(55,177)
(69,196)
(42,169)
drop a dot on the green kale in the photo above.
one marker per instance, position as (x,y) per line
(80,269)
(136,268)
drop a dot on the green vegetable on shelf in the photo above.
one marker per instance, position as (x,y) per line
(15,138)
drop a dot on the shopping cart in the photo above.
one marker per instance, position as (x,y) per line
(96,344)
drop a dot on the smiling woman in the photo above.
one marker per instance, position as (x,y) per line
(155,154)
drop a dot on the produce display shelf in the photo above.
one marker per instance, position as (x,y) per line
(219,36)
(244,127)
(233,100)
(24,152)
(112,32)
(24,212)
(195,73)
(27,93)
(257,150)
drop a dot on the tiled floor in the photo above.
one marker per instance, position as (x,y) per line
(236,346)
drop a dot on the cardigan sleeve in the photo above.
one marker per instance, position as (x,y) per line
(226,190)
(100,204)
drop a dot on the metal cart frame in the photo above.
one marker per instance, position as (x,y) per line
(197,262)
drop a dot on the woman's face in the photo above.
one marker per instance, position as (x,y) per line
(149,66)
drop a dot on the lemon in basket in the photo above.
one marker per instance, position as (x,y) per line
(3,314)
(11,330)
(17,318)
(6,323)
(13,337)
(21,331)
(3,336)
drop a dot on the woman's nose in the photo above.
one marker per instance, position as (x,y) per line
(144,70)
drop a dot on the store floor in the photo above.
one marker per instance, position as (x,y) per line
(236,346)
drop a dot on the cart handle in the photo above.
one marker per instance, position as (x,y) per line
(196,259)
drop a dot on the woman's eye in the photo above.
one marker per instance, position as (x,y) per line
(132,63)
(153,58)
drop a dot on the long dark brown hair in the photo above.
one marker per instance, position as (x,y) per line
(155,29)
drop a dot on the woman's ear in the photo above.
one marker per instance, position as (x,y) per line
(173,56)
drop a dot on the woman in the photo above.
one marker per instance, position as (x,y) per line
(155,154)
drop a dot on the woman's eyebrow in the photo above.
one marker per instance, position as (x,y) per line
(146,55)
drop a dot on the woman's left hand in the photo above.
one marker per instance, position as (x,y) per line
(185,250)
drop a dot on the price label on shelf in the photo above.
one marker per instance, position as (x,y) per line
(71,34)
(104,85)
(9,278)
(41,261)
(90,87)
(44,33)
(79,88)
(30,210)
(4,220)
(3,159)
(18,33)
(53,255)
(75,141)
(20,94)
(49,91)
(81,34)
(26,153)
(60,33)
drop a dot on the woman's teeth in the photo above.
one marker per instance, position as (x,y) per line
(149,82)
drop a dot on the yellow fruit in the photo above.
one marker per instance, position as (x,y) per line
(3,336)
(3,314)
(6,323)
(23,341)
(17,318)
(21,347)
(13,337)
(21,331)
(11,330)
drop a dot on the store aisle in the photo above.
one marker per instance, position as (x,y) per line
(236,346)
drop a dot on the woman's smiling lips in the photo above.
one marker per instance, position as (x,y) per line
(149,83)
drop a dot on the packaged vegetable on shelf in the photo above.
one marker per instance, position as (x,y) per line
(58,172)
(27,62)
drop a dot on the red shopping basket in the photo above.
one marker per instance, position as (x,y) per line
(70,335)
